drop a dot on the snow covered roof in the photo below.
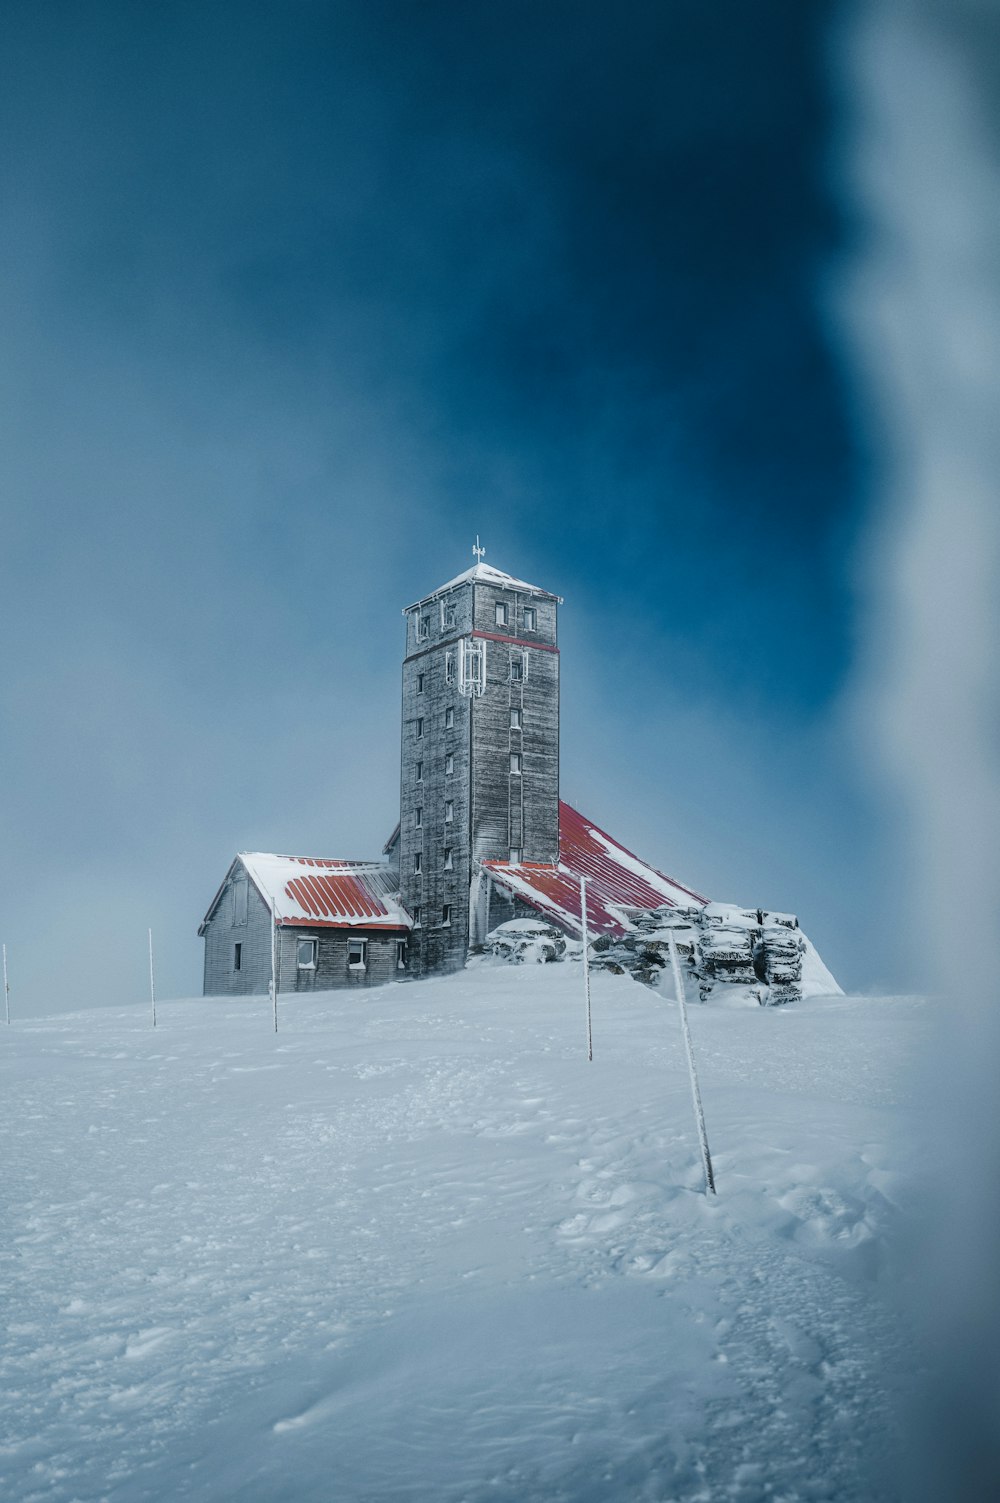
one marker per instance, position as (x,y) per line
(486,574)
(616,879)
(310,891)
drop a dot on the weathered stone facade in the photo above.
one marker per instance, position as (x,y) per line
(479,751)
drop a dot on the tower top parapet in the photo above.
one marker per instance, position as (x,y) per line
(481,573)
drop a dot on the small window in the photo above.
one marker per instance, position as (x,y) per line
(420,682)
(515,855)
(240,902)
(530,618)
(401,955)
(419,770)
(501,613)
(416,916)
(423,628)
(515,761)
(446,912)
(448,614)
(418,817)
(418,861)
(305,954)
(449,667)
(516,720)
(357,954)
(449,864)
(449,719)
(449,764)
(238,957)
(419,726)
(449,810)
(516,667)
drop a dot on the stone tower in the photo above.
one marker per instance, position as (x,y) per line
(480,750)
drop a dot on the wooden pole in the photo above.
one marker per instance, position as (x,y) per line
(6,988)
(274,966)
(699,1115)
(152,985)
(586,963)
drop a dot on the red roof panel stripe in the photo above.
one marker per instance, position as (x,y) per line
(341,896)
(616,879)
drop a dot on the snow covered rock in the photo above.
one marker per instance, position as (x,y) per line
(521,940)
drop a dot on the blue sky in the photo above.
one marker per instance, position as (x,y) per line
(300,298)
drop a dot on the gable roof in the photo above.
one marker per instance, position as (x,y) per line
(316,893)
(485,574)
(616,880)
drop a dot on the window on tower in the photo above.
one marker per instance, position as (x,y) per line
(449,667)
(423,628)
(501,613)
(515,855)
(515,761)
(446,913)
(449,811)
(449,764)
(516,719)
(419,725)
(420,682)
(418,862)
(516,667)
(418,817)
(416,915)
(449,864)
(449,719)
(419,772)
(448,614)
(530,618)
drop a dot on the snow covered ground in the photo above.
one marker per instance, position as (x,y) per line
(416,1247)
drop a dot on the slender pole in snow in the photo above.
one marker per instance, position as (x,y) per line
(692,1074)
(6,988)
(274,968)
(152,987)
(586,963)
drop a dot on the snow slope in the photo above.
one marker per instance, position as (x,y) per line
(415,1247)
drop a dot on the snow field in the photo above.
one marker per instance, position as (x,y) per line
(416,1247)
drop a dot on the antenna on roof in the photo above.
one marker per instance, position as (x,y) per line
(479,552)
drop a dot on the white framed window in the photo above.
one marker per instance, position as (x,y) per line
(449,764)
(416,916)
(401,955)
(518,667)
(421,680)
(423,628)
(530,618)
(446,913)
(419,726)
(418,862)
(449,667)
(449,810)
(238,956)
(418,818)
(357,954)
(419,772)
(515,855)
(449,719)
(448,613)
(449,863)
(516,719)
(305,954)
(501,613)
(515,761)
(472,669)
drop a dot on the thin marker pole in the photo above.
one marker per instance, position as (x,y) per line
(274,969)
(6,988)
(706,1158)
(586,964)
(152,986)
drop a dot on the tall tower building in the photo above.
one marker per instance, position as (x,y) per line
(480,750)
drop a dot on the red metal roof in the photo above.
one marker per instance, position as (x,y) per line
(306,891)
(615,879)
